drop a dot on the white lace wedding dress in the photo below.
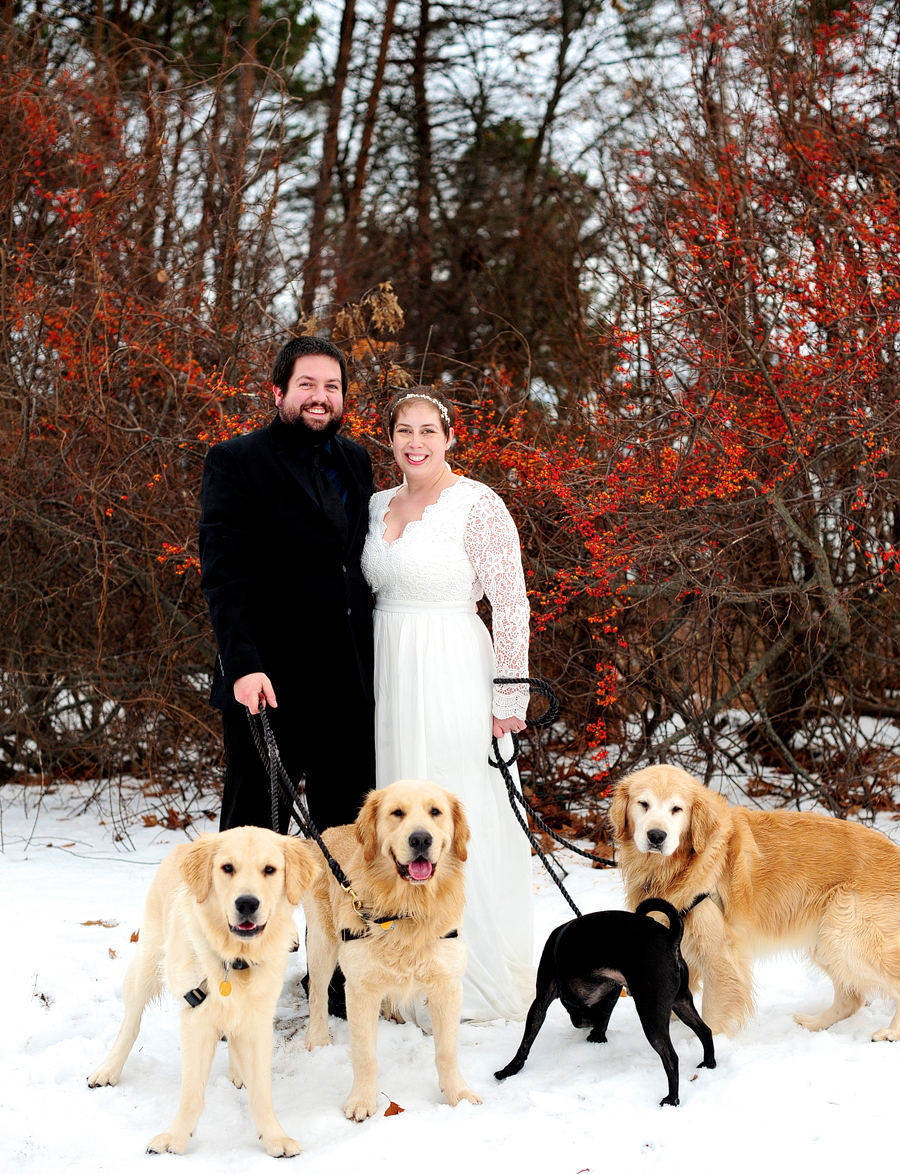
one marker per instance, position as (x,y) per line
(434,667)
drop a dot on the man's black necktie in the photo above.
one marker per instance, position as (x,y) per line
(327,494)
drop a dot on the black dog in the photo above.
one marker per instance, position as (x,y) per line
(586,963)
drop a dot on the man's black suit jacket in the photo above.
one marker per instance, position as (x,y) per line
(287,597)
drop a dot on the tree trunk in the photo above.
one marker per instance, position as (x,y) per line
(237,160)
(424,249)
(360,171)
(313,271)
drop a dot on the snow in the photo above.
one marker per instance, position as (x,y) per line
(780,1095)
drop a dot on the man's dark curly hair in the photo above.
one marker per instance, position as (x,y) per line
(291,351)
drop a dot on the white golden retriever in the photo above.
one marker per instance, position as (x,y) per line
(217,929)
(751,883)
(404,857)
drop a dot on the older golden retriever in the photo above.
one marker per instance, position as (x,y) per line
(774,880)
(216,931)
(404,858)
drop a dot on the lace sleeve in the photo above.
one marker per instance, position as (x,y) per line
(492,543)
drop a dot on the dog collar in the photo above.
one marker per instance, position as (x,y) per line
(682,913)
(363,913)
(198,995)
(693,905)
(225,985)
(384,922)
(354,935)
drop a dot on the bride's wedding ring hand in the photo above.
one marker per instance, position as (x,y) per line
(507,725)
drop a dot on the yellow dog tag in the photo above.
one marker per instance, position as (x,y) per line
(224,987)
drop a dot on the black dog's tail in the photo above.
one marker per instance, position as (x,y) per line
(657,905)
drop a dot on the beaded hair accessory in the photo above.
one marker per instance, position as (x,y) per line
(442,408)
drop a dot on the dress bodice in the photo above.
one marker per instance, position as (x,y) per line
(464,546)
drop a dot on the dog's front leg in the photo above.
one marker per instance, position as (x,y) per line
(199,1036)
(727,991)
(363,1007)
(445,1004)
(726,969)
(142,983)
(254,1062)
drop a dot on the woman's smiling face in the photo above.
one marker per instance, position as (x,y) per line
(419,443)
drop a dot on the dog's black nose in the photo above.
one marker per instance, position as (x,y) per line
(246,907)
(657,837)
(420,842)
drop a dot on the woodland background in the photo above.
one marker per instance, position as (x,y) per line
(650,247)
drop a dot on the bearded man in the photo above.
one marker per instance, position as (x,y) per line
(284,513)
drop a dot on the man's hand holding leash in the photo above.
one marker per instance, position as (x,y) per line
(250,689)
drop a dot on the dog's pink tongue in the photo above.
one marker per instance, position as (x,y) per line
(420,869)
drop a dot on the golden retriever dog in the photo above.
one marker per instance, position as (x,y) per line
(769,881)
(404,859)
(217,929)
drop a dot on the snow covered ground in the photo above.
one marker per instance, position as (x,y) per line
(780,1099)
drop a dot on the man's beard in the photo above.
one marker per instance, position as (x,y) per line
(293,417)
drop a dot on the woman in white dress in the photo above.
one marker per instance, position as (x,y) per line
(436,544)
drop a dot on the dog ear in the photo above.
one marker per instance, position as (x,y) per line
(706,817)
(302,864)
(618,810)
(460,830)
(365,825)
(196,866)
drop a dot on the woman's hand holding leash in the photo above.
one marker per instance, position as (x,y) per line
(507,725)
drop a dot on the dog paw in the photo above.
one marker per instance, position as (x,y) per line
(454,1096)
(669,1101)
(102,1077)
(317,1039)
(235,1077)
(509,1070)
(812,1022)
(168,1143)
(281,1147)
(886,1033)
(359,1108)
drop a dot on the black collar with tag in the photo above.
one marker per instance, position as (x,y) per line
(195,997)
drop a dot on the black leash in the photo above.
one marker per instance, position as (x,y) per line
(281,786)
(517,800)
